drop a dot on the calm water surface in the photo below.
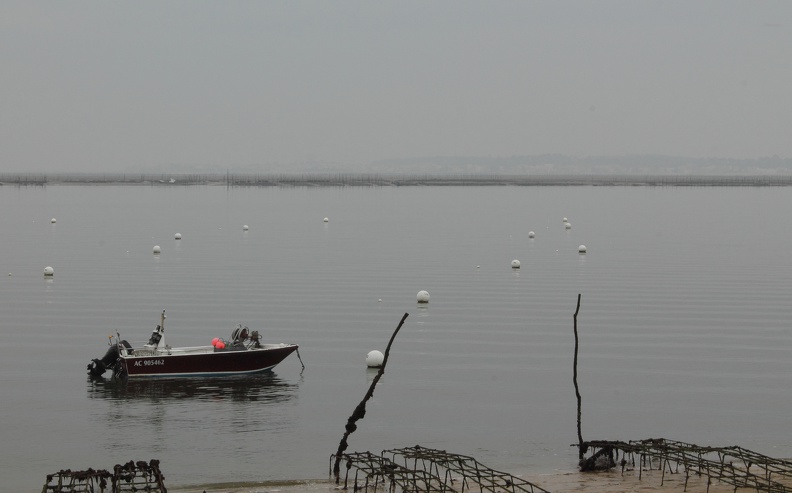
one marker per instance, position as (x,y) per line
(684,323)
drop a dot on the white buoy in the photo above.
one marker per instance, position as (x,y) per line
(177,236)
(379,300)
(566,220)
(568,226)
(245,227)
(53,220)
(515,264)
(582,249)
(423,297)
(48,271)
(374,359)
(157,250)
(531,234)
(326,220)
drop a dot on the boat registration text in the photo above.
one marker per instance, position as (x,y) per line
(150,362)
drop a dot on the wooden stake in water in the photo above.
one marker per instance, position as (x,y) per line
(360,410)
(581,449)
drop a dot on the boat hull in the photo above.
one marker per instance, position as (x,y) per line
(202,362)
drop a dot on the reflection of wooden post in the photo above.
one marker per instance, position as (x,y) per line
(574,379)
(360,410)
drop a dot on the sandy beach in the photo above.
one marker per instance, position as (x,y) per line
(601,482)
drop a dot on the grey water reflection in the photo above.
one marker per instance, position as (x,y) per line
(181,419)
(267,387)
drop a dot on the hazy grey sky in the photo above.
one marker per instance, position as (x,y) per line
(112,86)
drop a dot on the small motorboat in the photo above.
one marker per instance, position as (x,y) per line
(242,354)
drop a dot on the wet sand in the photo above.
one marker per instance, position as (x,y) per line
(601,482)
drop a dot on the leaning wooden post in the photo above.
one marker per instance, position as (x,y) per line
(360,410)
(581,450)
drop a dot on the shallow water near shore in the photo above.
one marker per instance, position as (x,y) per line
(684,323)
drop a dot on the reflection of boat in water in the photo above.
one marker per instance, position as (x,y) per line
(264,387)
(244,354)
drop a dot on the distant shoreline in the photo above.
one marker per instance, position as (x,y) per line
(377,180)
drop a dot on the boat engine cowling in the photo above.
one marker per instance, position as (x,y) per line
(97,367)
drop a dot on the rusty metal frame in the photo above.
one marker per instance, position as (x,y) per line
(423,470)
(732,465)
(129,477)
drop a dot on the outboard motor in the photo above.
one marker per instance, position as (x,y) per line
(97,367)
